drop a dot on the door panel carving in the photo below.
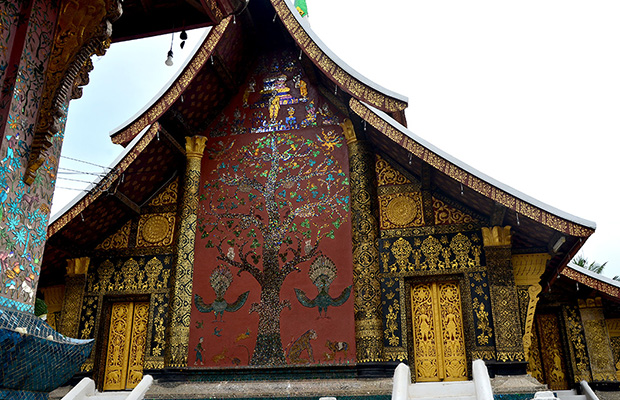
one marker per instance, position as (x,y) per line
(126,344)
(439,345)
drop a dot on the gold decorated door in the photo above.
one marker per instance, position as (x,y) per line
(439,345)
(124,359)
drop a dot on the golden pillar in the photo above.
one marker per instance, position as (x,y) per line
(504,302)
(527,269)
(181,295)
(75,284)
(597,340)
(365,235)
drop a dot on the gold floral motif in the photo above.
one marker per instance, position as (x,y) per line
(392,324)
(130,276)
(156,230)
(483,322)
(106,269)
(432,250)
(446,215)
(167,196)
(387,175)
(599,346)
(577,345)
(138,344)
(496,236)
(551,350)
(368,316)
(119,240)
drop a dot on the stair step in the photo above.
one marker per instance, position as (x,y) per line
(453,390)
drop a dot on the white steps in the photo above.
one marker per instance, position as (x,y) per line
(461,390)
(569,395)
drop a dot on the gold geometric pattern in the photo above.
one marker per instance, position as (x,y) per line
(401,210)
(386,175)
(156,230)
(119,240)
(439,344)
(599,346)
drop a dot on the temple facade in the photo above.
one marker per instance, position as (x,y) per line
(272,214)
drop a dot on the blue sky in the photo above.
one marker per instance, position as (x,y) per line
(527,92)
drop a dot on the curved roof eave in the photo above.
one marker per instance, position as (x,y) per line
(592,279)
(337,70)
(164,88)
(474,179)
(175,87)
(97,187)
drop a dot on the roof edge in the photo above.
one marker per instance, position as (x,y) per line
(339,72)
(472,178)
(98,187)
(592,279)
(174,89)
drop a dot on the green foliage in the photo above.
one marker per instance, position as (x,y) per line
(593,266)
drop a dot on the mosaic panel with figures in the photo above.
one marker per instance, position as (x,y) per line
(272,280)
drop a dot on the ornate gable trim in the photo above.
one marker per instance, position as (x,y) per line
(343,77)
(586,278)
(100,187)
(176,89)
(465,175)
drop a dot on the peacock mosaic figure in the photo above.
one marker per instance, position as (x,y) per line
(322,273)
(221,278)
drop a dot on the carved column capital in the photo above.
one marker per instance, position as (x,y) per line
(348,131)
(195,146)
(496,236)
(78,266)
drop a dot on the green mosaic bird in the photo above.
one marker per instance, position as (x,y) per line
(322,273)
(221,278)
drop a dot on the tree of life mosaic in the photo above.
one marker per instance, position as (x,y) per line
(269,223)
(272,272)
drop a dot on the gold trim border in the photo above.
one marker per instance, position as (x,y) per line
(105,183)
(473,182)
(332,70)
(175,91)
(591,282)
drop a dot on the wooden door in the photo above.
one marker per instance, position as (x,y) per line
(439,345)
(126,345)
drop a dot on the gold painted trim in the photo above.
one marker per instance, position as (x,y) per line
(467,179)
(175,91)
(590,282)
(528,268)
(105,183)
(331,69)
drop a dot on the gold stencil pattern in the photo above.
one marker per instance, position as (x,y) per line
(401,210)
(368,314)
(176,354)
(167,196)
(119,240)
(551,351)
(577,345)
(439,344)
(599,346)
(156,230)
(446,215)
(387,175)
